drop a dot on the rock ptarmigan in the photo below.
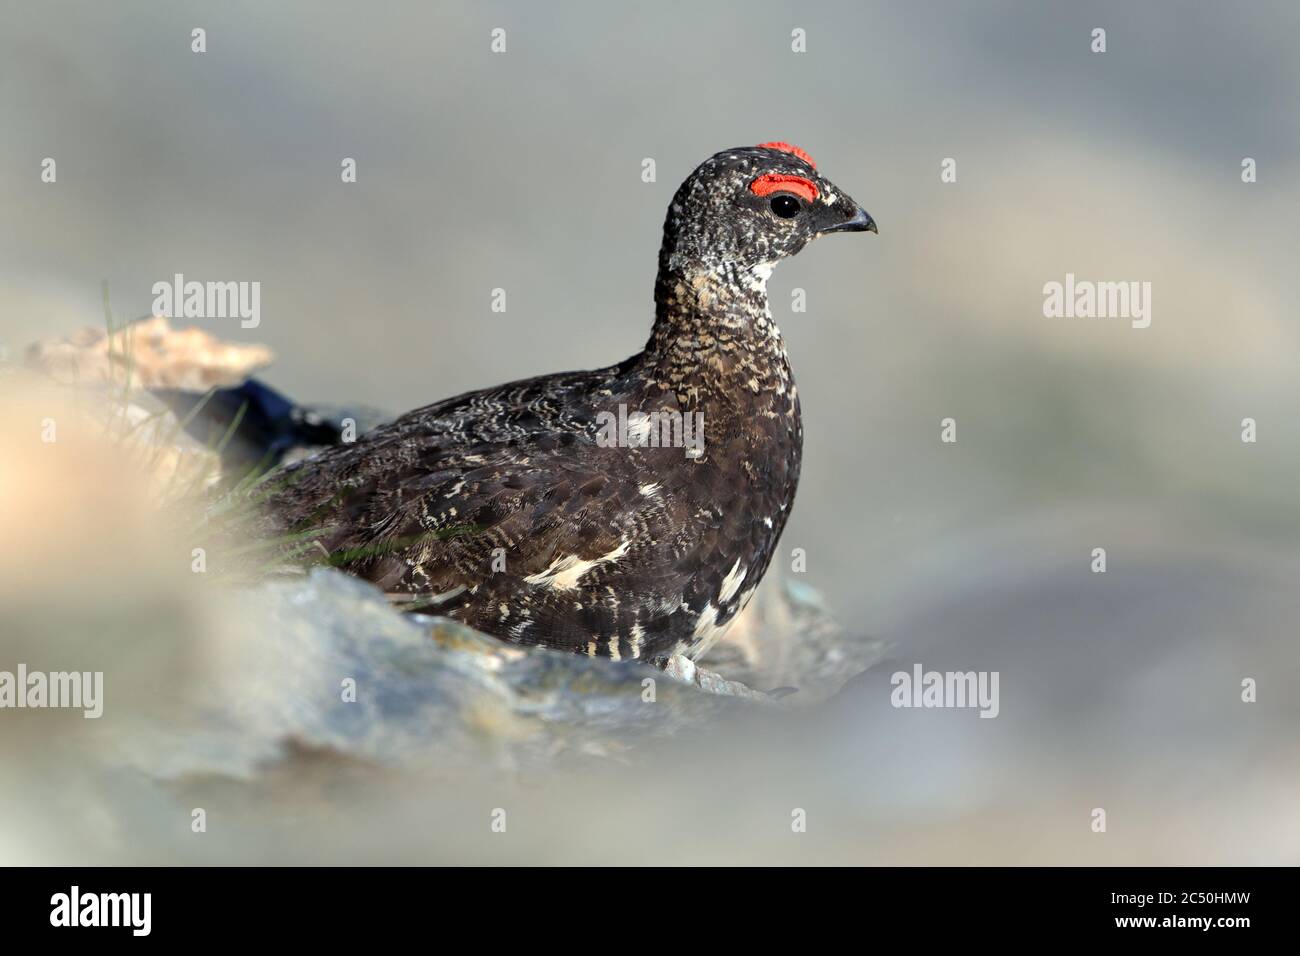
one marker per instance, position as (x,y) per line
(628,511)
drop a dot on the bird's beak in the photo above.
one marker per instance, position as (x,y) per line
(860,221)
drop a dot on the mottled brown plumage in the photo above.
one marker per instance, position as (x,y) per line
(508,509)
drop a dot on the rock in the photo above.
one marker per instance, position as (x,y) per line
(786,640)
(322,662)
(156,355)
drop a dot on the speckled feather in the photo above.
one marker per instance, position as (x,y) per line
(630,552)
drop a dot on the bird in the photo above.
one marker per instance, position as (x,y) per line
(626,512)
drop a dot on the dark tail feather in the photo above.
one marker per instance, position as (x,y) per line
(269,426)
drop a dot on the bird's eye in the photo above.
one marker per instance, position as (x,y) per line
(787,207)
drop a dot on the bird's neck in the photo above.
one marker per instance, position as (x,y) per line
(714,338)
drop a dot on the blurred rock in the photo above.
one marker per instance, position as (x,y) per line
(428,693)
(787,640)
(156,355)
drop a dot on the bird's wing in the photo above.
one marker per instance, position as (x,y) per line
(433,500)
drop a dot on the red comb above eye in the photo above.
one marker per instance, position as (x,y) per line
(773,183)
(792,150)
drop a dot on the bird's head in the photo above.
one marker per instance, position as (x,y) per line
(744,209)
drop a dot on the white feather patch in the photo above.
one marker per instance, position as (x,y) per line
(731,583)
(565,573)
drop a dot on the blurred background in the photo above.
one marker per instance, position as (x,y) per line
(522,171)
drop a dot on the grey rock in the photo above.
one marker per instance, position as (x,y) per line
(429,692)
